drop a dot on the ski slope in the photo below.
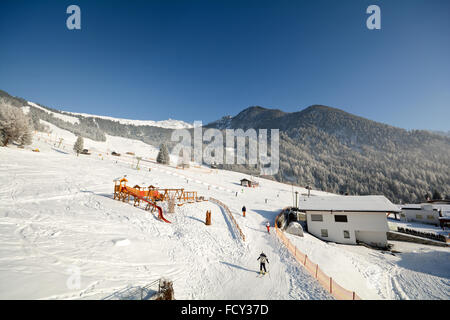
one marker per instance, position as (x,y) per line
(57,214)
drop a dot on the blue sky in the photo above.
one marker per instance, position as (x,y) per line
(200,60)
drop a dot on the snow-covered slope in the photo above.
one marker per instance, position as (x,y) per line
(63,117)
(57,217)
(66,116)
(112,143)
(169,124)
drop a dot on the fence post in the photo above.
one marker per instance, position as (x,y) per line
(331,285)
(353,296)
(317,268)
(306,257)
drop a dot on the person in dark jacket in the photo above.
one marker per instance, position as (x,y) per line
(262,262)
(243,210)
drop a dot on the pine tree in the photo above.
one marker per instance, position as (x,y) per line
(437,195)
(163,155)
(78,146)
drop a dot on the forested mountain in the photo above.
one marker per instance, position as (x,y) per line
(335,151)
(320,146)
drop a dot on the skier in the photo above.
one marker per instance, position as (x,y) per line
(243,210)
(262,263)
(268,226)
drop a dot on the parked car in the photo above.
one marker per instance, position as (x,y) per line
(85,151)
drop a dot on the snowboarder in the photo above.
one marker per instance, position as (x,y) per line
(268,226)
(262,263)
(244,210)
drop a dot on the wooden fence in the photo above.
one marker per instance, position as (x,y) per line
(327,282)
(228,211)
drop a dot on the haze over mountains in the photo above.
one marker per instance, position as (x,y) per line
(320,146)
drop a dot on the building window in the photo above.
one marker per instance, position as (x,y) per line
(324,232)
(402,215)
(346,234)
(419,216)
(316,217)
(430,217)
(340,218)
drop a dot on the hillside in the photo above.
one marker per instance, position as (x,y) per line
(339,152)
(57,215)
(320,146)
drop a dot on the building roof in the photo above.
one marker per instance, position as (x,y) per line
(348,203)
(246,180)
(441,207)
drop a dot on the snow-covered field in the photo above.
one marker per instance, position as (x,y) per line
(57,217)
(414,271)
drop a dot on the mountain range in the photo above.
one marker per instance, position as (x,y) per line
(320,146)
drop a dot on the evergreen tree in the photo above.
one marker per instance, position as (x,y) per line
(163,155)
(437,195)
(79,145)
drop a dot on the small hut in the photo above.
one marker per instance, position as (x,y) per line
(248,183)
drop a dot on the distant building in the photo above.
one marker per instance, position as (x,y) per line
(432,212)
(249,183)
(348,219)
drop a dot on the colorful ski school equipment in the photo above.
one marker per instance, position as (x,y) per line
(151,195)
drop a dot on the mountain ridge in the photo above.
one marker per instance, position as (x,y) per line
(324,147)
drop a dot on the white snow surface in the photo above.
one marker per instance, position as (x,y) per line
(63,117)
(415,272)
(168,124)
(57,215)
(58,218)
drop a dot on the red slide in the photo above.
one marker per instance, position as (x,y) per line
(135,193)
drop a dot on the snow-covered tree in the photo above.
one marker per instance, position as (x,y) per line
(15,126)
(79,145)
(163,155)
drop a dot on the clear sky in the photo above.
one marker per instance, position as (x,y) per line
(199,60)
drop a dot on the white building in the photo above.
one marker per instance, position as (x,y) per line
(349,219)
(429,213)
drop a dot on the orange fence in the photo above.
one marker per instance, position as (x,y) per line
(327,282)
(225,207)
